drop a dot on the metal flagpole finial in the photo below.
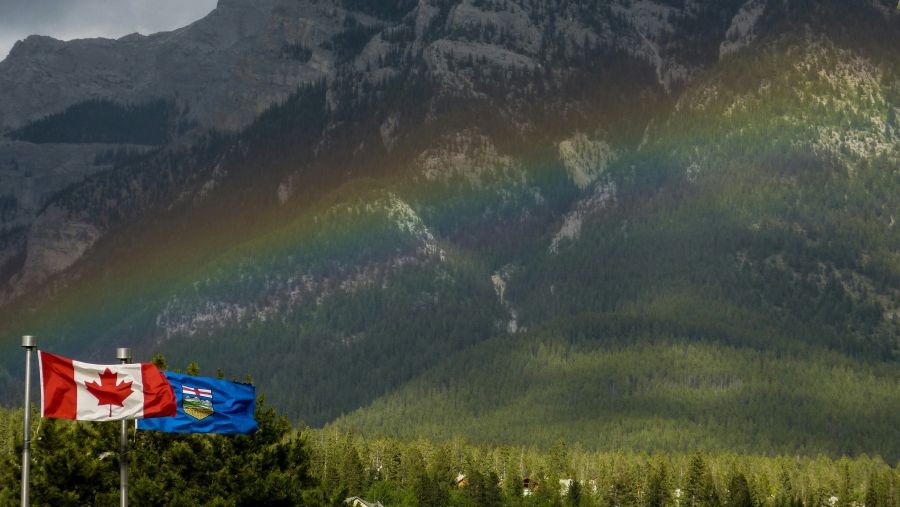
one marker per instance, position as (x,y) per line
(123,354)
(29,342)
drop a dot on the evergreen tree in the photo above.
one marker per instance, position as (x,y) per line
(700,491)
(513,487)
(785,495)
(351,471)
(739,491)
(845,490)
(76,463)
(657,493)
(546,490)
(574,495)
(440,467)
(558,461)
(482,489)
(879,491)
(623,492)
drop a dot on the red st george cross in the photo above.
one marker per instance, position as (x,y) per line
(196,391)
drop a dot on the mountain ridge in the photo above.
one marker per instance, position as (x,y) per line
(416,207)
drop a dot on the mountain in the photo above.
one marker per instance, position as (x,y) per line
(221,71)
(644,224)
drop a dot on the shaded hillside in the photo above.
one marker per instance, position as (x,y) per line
(639,384)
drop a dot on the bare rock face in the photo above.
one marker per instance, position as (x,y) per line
(471,159)
(225,68)
(512,20)
(31,174)
(742,30)
(584,158)
(57,239)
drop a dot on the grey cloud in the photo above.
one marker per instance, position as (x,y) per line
(74,19)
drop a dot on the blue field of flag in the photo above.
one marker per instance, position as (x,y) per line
(207,405)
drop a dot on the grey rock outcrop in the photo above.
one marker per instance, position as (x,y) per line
(56,240)
(224,69)
(31,174)
(228,67)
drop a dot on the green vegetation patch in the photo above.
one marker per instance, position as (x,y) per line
(648,391)
(104,121)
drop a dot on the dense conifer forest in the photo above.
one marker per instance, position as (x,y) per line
(77,464)
(105,121)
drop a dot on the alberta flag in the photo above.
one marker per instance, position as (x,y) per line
(207,405)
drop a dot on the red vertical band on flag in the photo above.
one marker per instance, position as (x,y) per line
(59,394)
(159,398)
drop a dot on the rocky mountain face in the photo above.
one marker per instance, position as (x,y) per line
(223,71)
(218,73)
(337,186)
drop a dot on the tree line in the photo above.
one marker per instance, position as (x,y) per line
(457,473)
(77,464)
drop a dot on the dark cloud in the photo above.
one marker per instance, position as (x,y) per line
(75,19)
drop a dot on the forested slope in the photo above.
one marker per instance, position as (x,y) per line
(692,251)
(735,287)
(611,387)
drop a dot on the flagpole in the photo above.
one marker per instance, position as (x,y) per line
(123,354)
(29,343)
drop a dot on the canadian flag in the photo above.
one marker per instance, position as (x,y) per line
(94,392)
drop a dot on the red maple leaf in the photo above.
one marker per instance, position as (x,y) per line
(107,392)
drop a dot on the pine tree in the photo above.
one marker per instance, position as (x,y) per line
(574,496)
(879,492)
(657,493)
(845,490)
(558,462)
(622,492)
(700,490)
(739,491)
(440,468)
(546,492)
(785,493)
(512,483)
(76,463)
(351,470)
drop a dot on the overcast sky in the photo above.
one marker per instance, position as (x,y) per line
(75,19)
